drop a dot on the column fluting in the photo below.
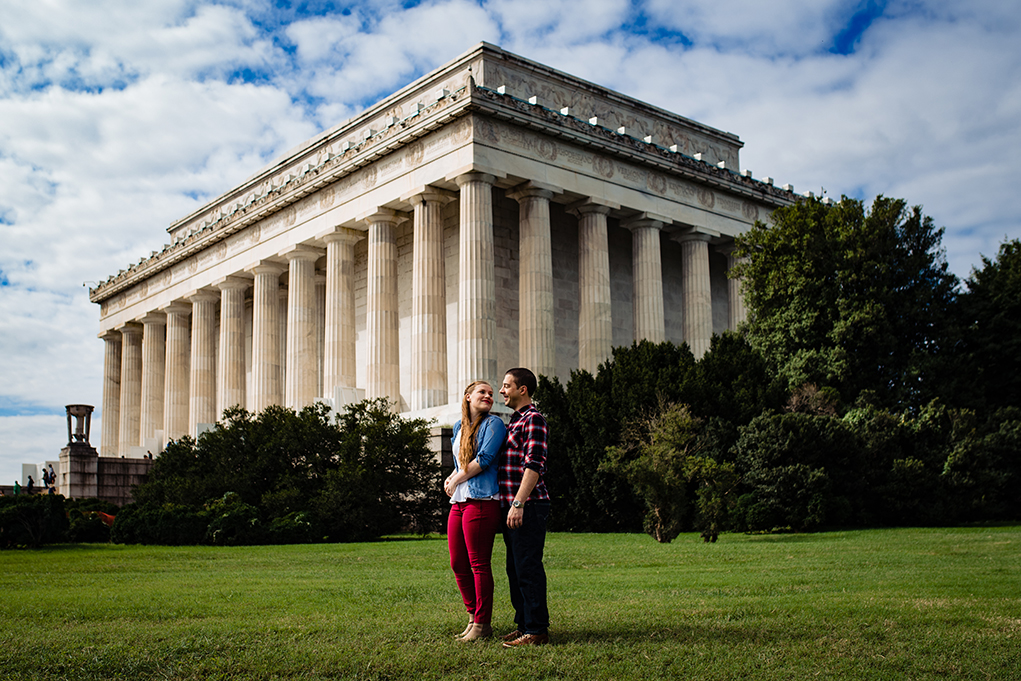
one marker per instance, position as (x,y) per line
(737,312)
(111,419)
(476,303)
(595,317)
(202,384)
(131,388)
(696,292)
(647,259)
(381,321)
(301,374)
(266,386)
(536,335)
(178,371)
(339,346)
(154,357)
(428,302)
(230,366)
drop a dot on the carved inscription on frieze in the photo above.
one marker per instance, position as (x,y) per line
(750,210)
(729,205)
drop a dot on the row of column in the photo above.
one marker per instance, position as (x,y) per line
(158,375)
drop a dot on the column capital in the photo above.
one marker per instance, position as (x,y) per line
(428,194)
(592,205)
(267,267)
(532,189)
(203,296)
(129,328)
(691,235)
(233,282)
(341,235)
(302,252)
(465,178)
(645,220)
(177,307)
(381,214)
(110,336)
(153,317)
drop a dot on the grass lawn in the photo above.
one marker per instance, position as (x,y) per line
(878,604)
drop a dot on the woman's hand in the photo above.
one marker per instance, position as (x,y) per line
(450,484)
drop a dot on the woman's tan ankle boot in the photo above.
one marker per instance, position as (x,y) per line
(477,632)
(467,630)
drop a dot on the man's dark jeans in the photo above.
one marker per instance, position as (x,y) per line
(525,574)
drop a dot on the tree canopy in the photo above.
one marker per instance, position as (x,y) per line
(851,299)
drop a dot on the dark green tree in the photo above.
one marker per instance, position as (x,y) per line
(851,299)
(283,477)
(991,310)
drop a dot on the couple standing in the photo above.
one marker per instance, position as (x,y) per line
(498,483)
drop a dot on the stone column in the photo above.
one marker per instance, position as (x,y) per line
(595,317)
(428,302)
(202,386)
(339,349)
(320,317)
(476,304)
(178,367)
(696,292)
(131,388)
(230,365)
(111,393)
(154,357)
(282,317)
(267,387)
(647,297)
(381,321)
(536,338)
(737,312)
(301,375)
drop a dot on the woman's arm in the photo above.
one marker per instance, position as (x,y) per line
(491,437)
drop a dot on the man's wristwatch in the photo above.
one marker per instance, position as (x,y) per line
(517,504)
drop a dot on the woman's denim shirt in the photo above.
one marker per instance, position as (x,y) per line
(489,445)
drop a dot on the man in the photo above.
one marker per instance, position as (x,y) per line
(523,495)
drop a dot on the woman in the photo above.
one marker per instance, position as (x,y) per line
(474,505)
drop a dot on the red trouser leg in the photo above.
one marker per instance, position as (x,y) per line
(471,528)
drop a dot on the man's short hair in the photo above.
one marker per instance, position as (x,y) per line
(524,378)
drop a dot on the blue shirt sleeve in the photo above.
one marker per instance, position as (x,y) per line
(490,441)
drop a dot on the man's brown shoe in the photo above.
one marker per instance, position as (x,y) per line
(511,636)
(528,640)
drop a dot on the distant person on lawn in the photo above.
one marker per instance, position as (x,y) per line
(474,506)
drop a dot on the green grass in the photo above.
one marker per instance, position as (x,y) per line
(893,604)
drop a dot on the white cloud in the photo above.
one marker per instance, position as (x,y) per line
(32,439)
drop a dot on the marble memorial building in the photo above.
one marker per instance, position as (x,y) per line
(494,213)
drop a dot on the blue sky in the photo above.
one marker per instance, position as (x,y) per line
(118,118)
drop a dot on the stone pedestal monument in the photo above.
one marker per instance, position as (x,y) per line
(79,459)
(85,474)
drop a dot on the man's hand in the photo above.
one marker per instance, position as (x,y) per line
(515,517)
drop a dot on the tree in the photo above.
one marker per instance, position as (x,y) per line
(281,477)
(991,308)
(851,299)
(655,461)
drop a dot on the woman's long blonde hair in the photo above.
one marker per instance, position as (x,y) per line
(469,428)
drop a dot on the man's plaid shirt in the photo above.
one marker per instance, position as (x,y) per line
(527,435)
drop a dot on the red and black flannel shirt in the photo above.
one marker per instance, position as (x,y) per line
(527,435)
